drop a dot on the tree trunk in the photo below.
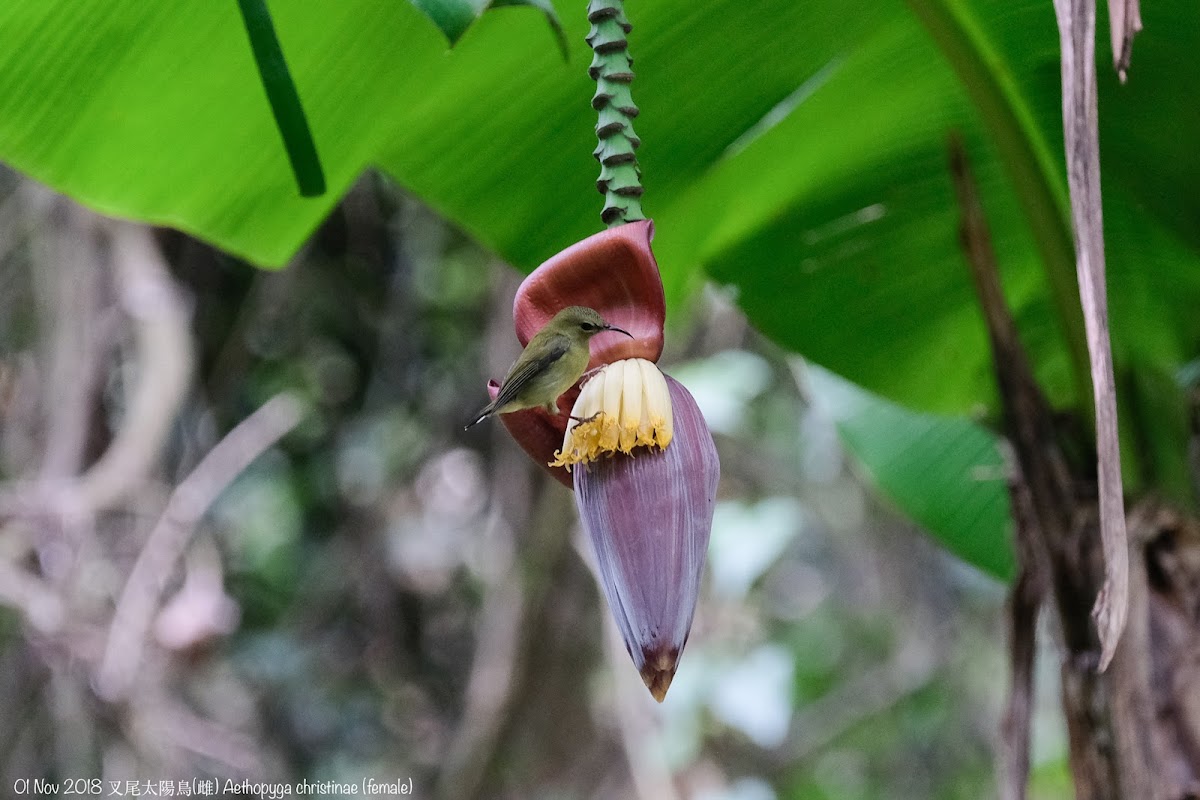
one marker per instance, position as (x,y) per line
(1134,729)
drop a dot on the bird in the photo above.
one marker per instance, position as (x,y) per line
(550,364)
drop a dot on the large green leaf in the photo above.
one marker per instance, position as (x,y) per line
(945,473)
(836,223)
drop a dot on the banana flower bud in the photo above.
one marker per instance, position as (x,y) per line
(630,440)
(648,516)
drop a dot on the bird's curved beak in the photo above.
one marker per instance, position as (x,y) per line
(618,330)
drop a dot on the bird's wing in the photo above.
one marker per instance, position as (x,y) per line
(520,376)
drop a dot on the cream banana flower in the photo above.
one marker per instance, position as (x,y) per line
(622,406)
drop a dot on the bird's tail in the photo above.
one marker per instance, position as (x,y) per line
(484,413)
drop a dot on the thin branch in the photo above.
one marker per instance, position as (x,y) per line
(1024,603)
(1077,34)
(1045,502)
(164,361)
(1028,419)
(169,537)
(68,285)
(1124,23)
(489,689)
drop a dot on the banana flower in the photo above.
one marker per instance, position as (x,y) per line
(631,442)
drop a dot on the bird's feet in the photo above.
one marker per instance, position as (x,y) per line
(587,376)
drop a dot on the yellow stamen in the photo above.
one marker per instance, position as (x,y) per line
(624,406)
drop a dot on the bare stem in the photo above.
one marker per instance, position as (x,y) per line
(168,540)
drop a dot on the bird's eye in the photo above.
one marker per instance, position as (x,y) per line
(587,326)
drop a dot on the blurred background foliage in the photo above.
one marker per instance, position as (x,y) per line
(401,598)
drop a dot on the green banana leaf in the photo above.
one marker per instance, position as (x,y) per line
(945,473)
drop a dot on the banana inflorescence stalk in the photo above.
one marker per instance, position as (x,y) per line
(620,177)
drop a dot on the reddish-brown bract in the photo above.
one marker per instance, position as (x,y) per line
(615,273)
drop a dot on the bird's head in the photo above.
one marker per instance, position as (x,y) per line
(581,322)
